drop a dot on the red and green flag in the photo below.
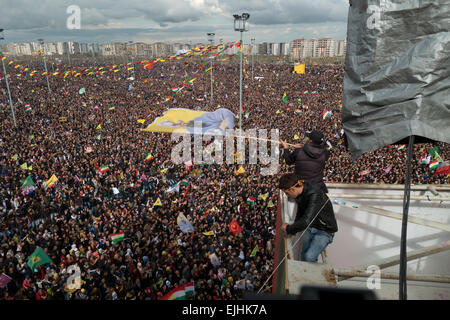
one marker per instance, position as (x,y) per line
(326,113)
(148,157)
(104,169)
(251,200)
(117,237)
(180,292)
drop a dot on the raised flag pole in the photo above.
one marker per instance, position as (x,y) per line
(7,86)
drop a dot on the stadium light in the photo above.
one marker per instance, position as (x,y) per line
(7,86)
(211,42)
(41,41)
(241,26)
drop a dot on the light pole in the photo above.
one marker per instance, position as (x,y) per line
(253,43)
(211,42)
(68,53)
(240,25)
(7,86)
(41,41)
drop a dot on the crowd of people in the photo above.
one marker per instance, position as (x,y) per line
(72,135)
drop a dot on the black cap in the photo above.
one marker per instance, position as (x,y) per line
(315,136)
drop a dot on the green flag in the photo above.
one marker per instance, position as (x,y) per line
(255,250)
(284,98)
(434,152)
(38,258)
(27,182)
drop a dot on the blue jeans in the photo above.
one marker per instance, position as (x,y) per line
(314,242)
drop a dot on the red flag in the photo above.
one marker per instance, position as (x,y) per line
(185,193)
(443,170)
(235,228)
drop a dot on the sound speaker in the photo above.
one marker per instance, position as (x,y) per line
(397,72)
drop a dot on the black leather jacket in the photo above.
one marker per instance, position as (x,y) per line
(309,203)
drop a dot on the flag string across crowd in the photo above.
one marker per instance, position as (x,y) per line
(93,206)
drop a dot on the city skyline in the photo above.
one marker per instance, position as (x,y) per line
(172,21)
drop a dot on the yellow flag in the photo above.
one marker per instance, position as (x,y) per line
(239,171)
(30,168)
(157,202)
(99,126)
(296,137)
(263,196)
(254,251)
(14,157)
(278,111)
(141,121)
(209,233)
(24,166)
(270,204)
(164,170)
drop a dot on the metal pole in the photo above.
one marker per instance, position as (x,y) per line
(46,73)
(9,94)
(212,94)
(68,56)
(240,88)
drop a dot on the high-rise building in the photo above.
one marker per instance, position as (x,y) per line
(341,48)
(326,47)
(159,49)
(112,49)
(263,48)
(284,49)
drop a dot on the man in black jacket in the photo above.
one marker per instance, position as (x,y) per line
(314,213)
(310,160)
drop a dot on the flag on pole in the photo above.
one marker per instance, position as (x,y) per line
(270,204)
(326,113)
(180,292)
(254,251)
(234,227)
(434,165)
(148,157)
(425,160)
(444,169)
(141,121)
(184,224)
(38,258)
(263,196)
(209,233)
(50,182)
(103,169)
(24,166)
(99,126)
(403,146)
(117,237)
(4,280)
(239,171)
(175,187)
(434,152)
(251,200)
(157,202)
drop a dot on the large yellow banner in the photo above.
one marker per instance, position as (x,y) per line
(299,68)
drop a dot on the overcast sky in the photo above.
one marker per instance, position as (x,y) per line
(172,20)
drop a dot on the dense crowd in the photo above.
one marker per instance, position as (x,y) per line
(72,135)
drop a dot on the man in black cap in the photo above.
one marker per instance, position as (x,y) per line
(309,160)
